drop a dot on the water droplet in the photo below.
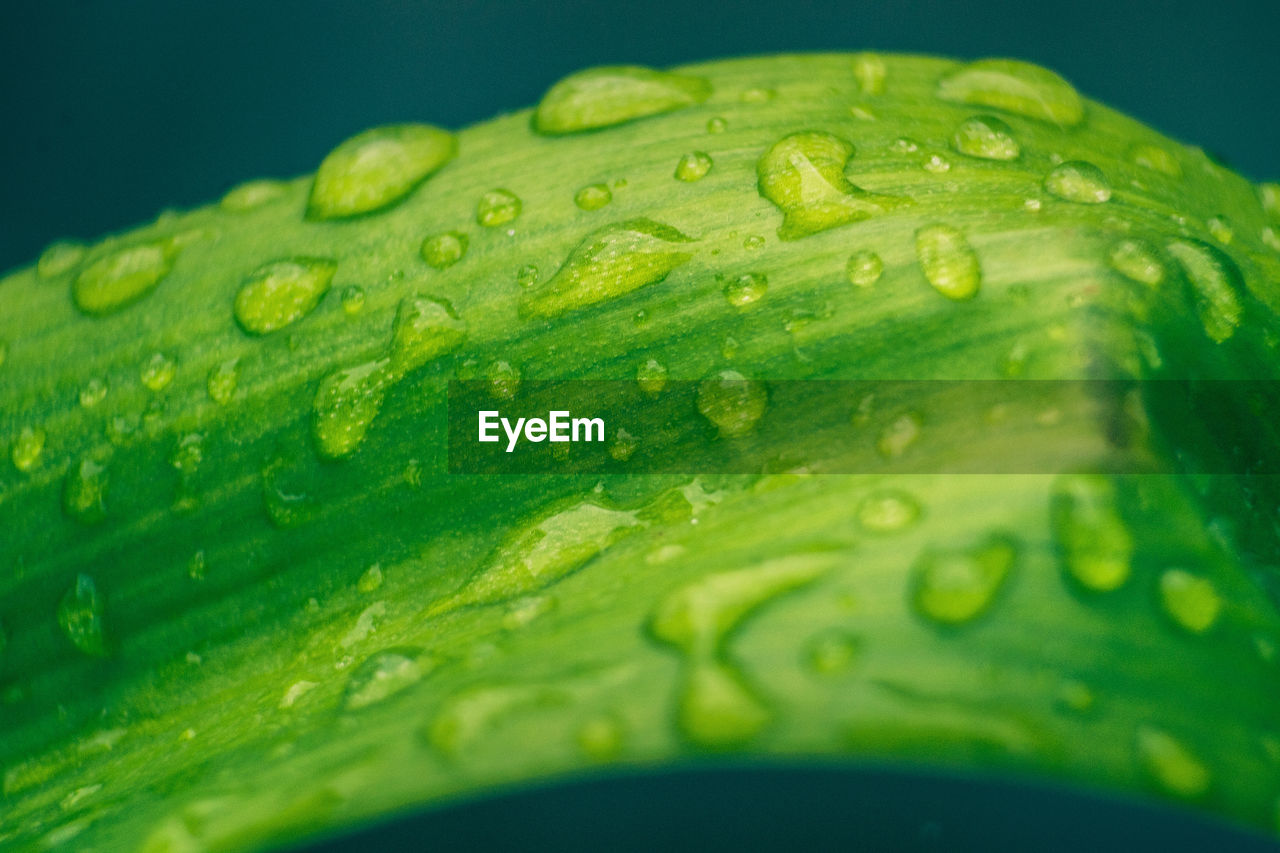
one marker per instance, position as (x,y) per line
(609,262)
(383,675)
(80,617)
(732,403)
(121,278)
(559,543)
(602,97)
(948,262)
(444,250)
(623,445)
(497,207)
(864,268)
(284,495)
(986,137)
(158,371)
(651,377)
(1157,159)
(469,714)
(1078,181)
(1192,602)
(1220,229)
(717,710)
(753,243)
(904,145)
(937,164)
(1270,239)
(888,511)
(954,587)
(1138,261)
(58,258)
(377,168)
(187,456)
(1092,540)
(93,393)
(222,381)
(1173,767)
(593,197)
(345,405)
(899,435)
(281,292)
(525,610)
(84,491)
(503,379)
(252,195)
(1016,87)
(600,738)
(352,300)
(717,124)
(27,449)
(197,566)
(746,289)
(1075,696)
(693,166)
(803,175)
(295,692)
(832,652)
(527,275)
(424,329)
(869,70)
(1217,284)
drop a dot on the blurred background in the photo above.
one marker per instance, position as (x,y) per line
(115,109)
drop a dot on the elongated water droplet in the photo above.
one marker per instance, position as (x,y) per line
(693,166)
(58,258)
(593,197)
(1174,768)
(870,72)
(1092,540)
(948,262)
(377,168)
(222,381)
(1138,261)
(345,405)
(987,138)
(284,495)
(498,207)
(864,268)
(1216,283)
(651,377)
(888,511)
(84,491)
(80,617)
(1016,87)
(252,195)
(121,278)
(745,290)
(383,675)
(717,710)
(281,292)
(158,371)
(954,587)
(803,175)
(424,329)
(601,97)
(609,262)
(732,403)
(1155,158)
(1078,181)
(1192,602)
(442,251)
(28,448)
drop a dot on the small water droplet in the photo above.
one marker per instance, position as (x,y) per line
(1155,158)
(1191,601)
(955,587)
(651,377)
(1016,87)
(222,381)
(600,738)
(1220,229)
(28,448)
(525,610)
(717,124)
(1174,768)
(498,207)
(80,617)
(93,393)
(196,566)
(753,243)
(84,491)
(1216,283)
(602,97)
(593,197)
(345,405)
(158,371)
(899,435)
(466,716)
(904,145)
(870,72)
(1092,540)
(383,675)
(1078,181)
(377,168)
(745,290)
(353,299)
(503,379)
(252,195)
(732,403)
(937,164)
(444,250)
(864,268)
(370,580)
(987,138)
(1138,261)
(527,275)
(888,511)
(284,495)
(804,176)
(693,166)
(609,262)
(58,258)
(282,292)
(948,262)
(120,279)
(729,347)
(622,447)
(832,652)
(1270,239)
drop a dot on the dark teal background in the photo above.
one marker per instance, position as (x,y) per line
(115,109)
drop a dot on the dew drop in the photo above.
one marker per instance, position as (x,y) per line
(732,403)
(717,124)
(869,70)
(864,268)
(121,278)
(1216,283)
(222,381)
(28,449)
(745,290)
(1017,87)
(282,292)
(753,243)
(948,262)
(527,275)
(937,164)
(593,197)
(468,715)
(1078,181)
(197,566)
(1092,540)
(93,393)
(608,263)
(58,258)
(1191,601)
(955,587)
(80,617)
(345,405)
(1137,261)
(444,250)
(157,372)
(1156,159)
(832,652)
(424,329)
(623,445)
(651,377)
(383,675)
(693,166)
(1220,229)
(1173,767)
(252,195)
(284,496)
(899,435)
(987,138)
(377,168)
(498,207)
(503,380)
(84,491)
(904,145)
(888,511)
(602,97)
(353,299)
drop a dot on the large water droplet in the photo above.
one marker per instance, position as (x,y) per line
(157,372)
(732,403)
(888,511)
(864,268)
(1092,539)
(600,97)
(442,251)
(948,262)
(803,175)
(58,258)
(80,617)
(345,405)
(986,137)
(593,197)
(382,676)
(1016,87)
(84,491)
(424,329)
(609,262)
(498,207)
(377,168)
(1078,181)
(693,166)
(281,292)
(954,587)
(222,381)
(121,278)
(28,448)
(1138,261)
(252,195)
(1216,283)
(1191,601)
(746,289)
(1173,767)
